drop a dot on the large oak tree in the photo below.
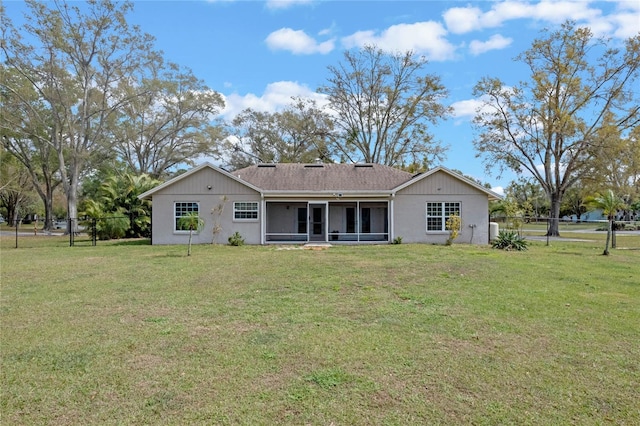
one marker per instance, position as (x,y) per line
(548,125)
(383,104)
(300,133)
(167,123)
(77,57)
(25,125)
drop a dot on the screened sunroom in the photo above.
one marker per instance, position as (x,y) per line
(326,221)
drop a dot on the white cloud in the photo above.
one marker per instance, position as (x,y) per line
(559,11)
(622,23)
(627,23)
(466,108)
(285,4)
(427,38)
(498,190)
(495,42)
(461,20)
(297,42)
(276,96)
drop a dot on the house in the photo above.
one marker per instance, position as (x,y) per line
(335,203)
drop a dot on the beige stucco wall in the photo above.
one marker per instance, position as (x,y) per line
(410,210)
(194,188)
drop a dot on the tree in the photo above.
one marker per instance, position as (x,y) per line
(549,124)
(298,134)
(108,225)
(170,123)
(117,198)
(616,161)
(193,222)
(77,58)
(610,204)
(528,196)
(573,201)
(25,126)
(15,188)
(217,212)
(383,104)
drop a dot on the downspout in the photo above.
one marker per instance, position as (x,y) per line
(262,218)
(391,218)
(358,214)
(326,222)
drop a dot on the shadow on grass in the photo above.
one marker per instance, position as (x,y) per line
(133,242)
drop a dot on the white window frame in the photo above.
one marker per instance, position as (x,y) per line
(241,207)
(176,216)
(447,208)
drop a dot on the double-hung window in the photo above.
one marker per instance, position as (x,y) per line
(245,210)
(438,213)
(183,208)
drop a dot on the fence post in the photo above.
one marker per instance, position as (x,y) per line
(548,226)
(17,226)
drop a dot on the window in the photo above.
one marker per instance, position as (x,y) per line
(182,209)
(438,213)
(245,210)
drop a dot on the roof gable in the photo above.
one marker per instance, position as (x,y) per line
(192,172)
(492,195)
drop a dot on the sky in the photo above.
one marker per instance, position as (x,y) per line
(259,54)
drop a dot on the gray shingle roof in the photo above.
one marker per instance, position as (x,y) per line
(323,177)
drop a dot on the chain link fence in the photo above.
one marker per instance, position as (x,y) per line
(625,233)
(83,231)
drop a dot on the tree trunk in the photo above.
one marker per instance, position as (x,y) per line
(46,196)
(189,249)
(11,215)
(70,182)
(554,217)
(72,203)
(48,212)
(606,245)
(613,235)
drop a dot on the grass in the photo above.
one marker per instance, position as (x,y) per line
(127,333)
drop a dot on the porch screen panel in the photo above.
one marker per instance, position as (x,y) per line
(365,220)
(302,220)
(351,220)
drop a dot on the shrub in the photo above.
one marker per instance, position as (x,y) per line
(112,226)
(236,239)
(453,225)
(397,240)
(509,240)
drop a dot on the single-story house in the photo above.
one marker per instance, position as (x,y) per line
(332,203)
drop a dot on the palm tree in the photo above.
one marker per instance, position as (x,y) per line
(610,204)
(121,193)
(193,222)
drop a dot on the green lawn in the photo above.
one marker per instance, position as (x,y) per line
(127,333)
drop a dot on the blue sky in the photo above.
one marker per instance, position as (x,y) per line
(259,54)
